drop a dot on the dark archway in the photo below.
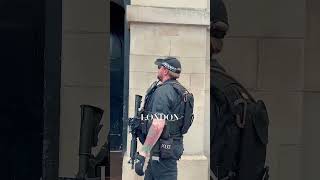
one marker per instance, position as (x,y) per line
(119,86)
(117,75)
(22,81)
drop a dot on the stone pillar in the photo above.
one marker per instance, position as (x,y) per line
(311,123)
(168,28)
(84,78)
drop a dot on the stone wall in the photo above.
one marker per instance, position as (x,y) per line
(84,74)
(264,50)
(311,123)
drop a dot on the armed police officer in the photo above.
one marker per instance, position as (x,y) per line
(163,140)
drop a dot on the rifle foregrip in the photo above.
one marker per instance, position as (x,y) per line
(133,150)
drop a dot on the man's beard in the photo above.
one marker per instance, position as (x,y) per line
(160,76)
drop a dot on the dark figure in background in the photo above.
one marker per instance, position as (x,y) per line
(239,124)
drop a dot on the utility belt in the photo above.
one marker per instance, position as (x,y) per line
(171,148)
(167,147)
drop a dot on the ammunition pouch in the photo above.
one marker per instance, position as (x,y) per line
(171,148)
(166,150)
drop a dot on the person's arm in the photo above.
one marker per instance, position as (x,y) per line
(154,134)
(160,105)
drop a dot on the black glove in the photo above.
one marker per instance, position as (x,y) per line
(139,163)
(134,123)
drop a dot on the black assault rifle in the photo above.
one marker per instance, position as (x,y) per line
(134,124)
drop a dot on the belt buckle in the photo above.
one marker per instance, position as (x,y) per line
(155,158)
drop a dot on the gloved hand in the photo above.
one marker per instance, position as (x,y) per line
(139,163)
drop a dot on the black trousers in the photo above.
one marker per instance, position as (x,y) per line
(164,169)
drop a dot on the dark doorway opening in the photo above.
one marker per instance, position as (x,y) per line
(117,90)
(21,78)
(116,75)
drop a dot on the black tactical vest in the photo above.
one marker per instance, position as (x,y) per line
(173,127)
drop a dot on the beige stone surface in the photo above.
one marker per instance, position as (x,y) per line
(168,30)
(195,167)
(284,135)
(240,58)
(194,140)
(157,46)
(145,63)
(184,79)
(312,49)
(198,81)
(207,83)
(311,133)
(188,47)
(200,4)
(311,147)
(284,108)
(281,64)
(141,80)
(272,160)
(285,111)
(168,40)
(86,16)
(89,67)
(146,14)
(189,168)
(207,124)
(199,97)
(132,93)
(266,18)
(278,163)
(193,65)
(290,162)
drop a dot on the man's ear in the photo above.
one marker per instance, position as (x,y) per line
(166,71)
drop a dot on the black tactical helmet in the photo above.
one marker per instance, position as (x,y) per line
(218,19)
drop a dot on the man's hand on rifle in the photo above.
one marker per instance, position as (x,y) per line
(139,164)
(153,135)
(134,123)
